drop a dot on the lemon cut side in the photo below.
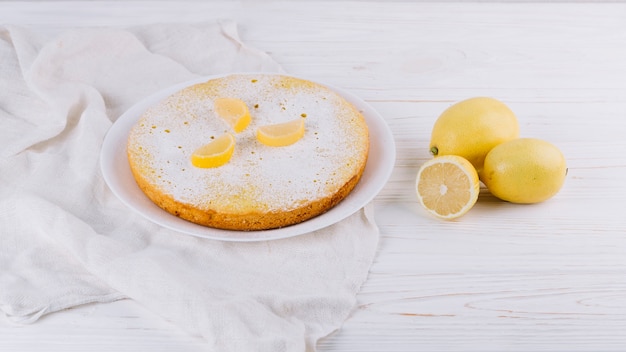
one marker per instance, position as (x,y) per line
(214,154)
(234,111)
(281,134)
(447,186)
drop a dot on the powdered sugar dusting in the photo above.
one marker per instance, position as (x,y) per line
(258,177)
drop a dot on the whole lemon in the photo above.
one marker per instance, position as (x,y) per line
(472,127)
(525,170)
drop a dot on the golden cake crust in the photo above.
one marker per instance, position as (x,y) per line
(261,187)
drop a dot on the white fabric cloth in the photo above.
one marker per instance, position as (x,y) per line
(66,240)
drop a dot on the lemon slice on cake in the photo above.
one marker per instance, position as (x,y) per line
(234,111)
(216,153)
(447,186)
(281,134)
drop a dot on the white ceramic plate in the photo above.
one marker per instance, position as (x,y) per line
(117,175)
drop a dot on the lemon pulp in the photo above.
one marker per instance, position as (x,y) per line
(447,186)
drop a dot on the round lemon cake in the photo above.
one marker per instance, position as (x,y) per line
(260,187)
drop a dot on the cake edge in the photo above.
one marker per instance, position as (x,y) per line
(253,221)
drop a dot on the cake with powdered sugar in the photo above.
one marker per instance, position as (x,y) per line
(260,187)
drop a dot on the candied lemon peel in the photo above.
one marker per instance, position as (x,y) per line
(234,111)
(214,154)
(281,134)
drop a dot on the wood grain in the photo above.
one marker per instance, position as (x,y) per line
(544,277)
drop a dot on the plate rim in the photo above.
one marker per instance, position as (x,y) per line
(382,146)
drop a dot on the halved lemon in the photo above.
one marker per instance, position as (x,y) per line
(447,186)
(281,134)
(216,153)
(234,111)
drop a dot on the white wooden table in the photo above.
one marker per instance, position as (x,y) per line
(505,277)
